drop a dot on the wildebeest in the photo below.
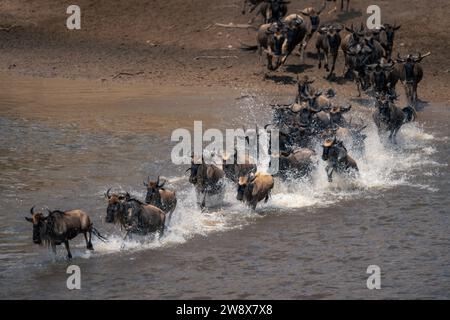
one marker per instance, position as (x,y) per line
(134,215)
(349,41)
(386,37)
(377,51)
(316,100)
(59,227)
(337,115)
(338,159)
(207,179)
(410,73)
(357,59)
(328,41)
(160,197)
(299,162)
(272,10)
(389,117)
(239,167)
(254,187)
(314,22)
(270,40)
(296,31)
(303,87)
(381,77)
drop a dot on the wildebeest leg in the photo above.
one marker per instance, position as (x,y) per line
(269,62)
(329,171)
(88,241)
(326,61)
(69,255)
(415,96)
(53,245)
(332,66)
(320,57)
(358,87)
(203,204)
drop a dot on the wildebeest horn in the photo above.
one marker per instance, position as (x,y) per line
(32,210)
(157,181)
(107,193)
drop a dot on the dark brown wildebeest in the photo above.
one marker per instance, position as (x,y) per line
(328,41)
(278,40)
(207,179)
(338,159)
(238,167)
(410,73)
(381,77)
(389,117)
(386,37)
(254,187)
(313,25)
(337,115)
(272,10)
(59,227)
(377,50)
(316,100)
(295,33)
(297,163)
(157,195)
(303,87)
(357,59)
(134,215)
(349,41)
(270,40)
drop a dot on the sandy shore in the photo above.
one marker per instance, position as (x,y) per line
(167,44)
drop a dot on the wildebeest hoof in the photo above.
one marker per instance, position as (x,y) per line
(90,247)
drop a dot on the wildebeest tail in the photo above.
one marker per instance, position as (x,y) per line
(96,233)
(410,113)
(247,47)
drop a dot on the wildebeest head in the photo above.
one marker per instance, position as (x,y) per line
(334,38)
(114,211)
(327,146)
(194,170)
(336,113)
(277,34)
(245,183)
(153,188)
(311,99)
(314,16)
(383,103)
(37,219)
(303,85)
(356,34)
(390,32)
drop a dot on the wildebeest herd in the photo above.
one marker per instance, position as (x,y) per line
(313,118)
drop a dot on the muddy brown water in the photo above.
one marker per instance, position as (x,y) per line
(64,142)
